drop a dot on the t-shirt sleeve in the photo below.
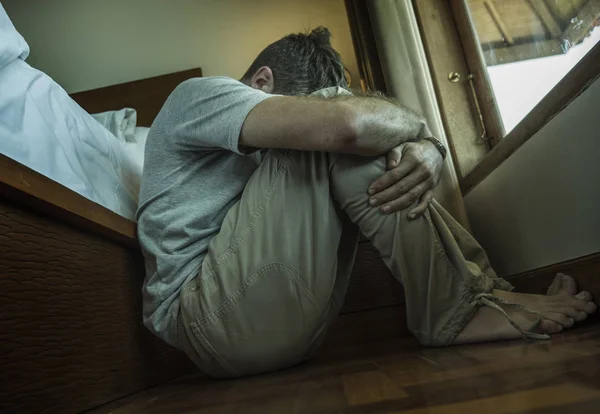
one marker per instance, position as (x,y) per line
(208,113)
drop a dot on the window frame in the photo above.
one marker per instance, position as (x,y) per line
(482,87)
(480,104)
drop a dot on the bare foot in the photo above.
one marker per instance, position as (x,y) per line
(561,308)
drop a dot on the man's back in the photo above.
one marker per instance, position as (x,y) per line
(193,174)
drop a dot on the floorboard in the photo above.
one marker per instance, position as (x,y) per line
(395,375)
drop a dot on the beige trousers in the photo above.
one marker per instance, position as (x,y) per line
(275,276)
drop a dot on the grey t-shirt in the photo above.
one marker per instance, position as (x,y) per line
(193,173)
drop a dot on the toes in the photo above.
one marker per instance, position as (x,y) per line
(575,314)
(584,295)
(550,327)
(569,286)
(583,302)
(562,285)
(556,285)
(581,316)
(570,312)
(561,319)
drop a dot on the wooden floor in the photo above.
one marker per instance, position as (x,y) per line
(395,375)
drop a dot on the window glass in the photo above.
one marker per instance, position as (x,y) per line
(530,45)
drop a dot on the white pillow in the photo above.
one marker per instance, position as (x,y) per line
(120,123)
(131,172)
(12,44)
(138,141)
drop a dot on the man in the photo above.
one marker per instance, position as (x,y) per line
(253,196)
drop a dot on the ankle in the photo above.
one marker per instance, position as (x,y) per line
(504,294)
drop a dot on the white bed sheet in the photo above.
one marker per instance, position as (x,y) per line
(12,44)
(44,129)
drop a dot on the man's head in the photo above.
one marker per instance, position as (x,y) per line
(297,64)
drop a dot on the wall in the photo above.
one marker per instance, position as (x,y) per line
(86,44)
(542,205)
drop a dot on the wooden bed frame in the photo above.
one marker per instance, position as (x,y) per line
(70,279)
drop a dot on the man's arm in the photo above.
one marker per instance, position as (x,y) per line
(367,126)
(356,125)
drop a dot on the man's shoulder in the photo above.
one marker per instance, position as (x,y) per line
(193,85)
(190,96)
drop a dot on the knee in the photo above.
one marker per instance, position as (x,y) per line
(349,163)
(352,173)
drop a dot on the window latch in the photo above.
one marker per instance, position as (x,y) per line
(471,79)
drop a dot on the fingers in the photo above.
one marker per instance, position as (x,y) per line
(392,176)
(394,156)
(400,188)
(407,199)
(410,178)
(423,204)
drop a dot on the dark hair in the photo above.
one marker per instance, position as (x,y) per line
(302,63)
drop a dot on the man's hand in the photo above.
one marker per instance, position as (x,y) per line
(414,169)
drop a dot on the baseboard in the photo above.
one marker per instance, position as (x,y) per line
(585,270)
